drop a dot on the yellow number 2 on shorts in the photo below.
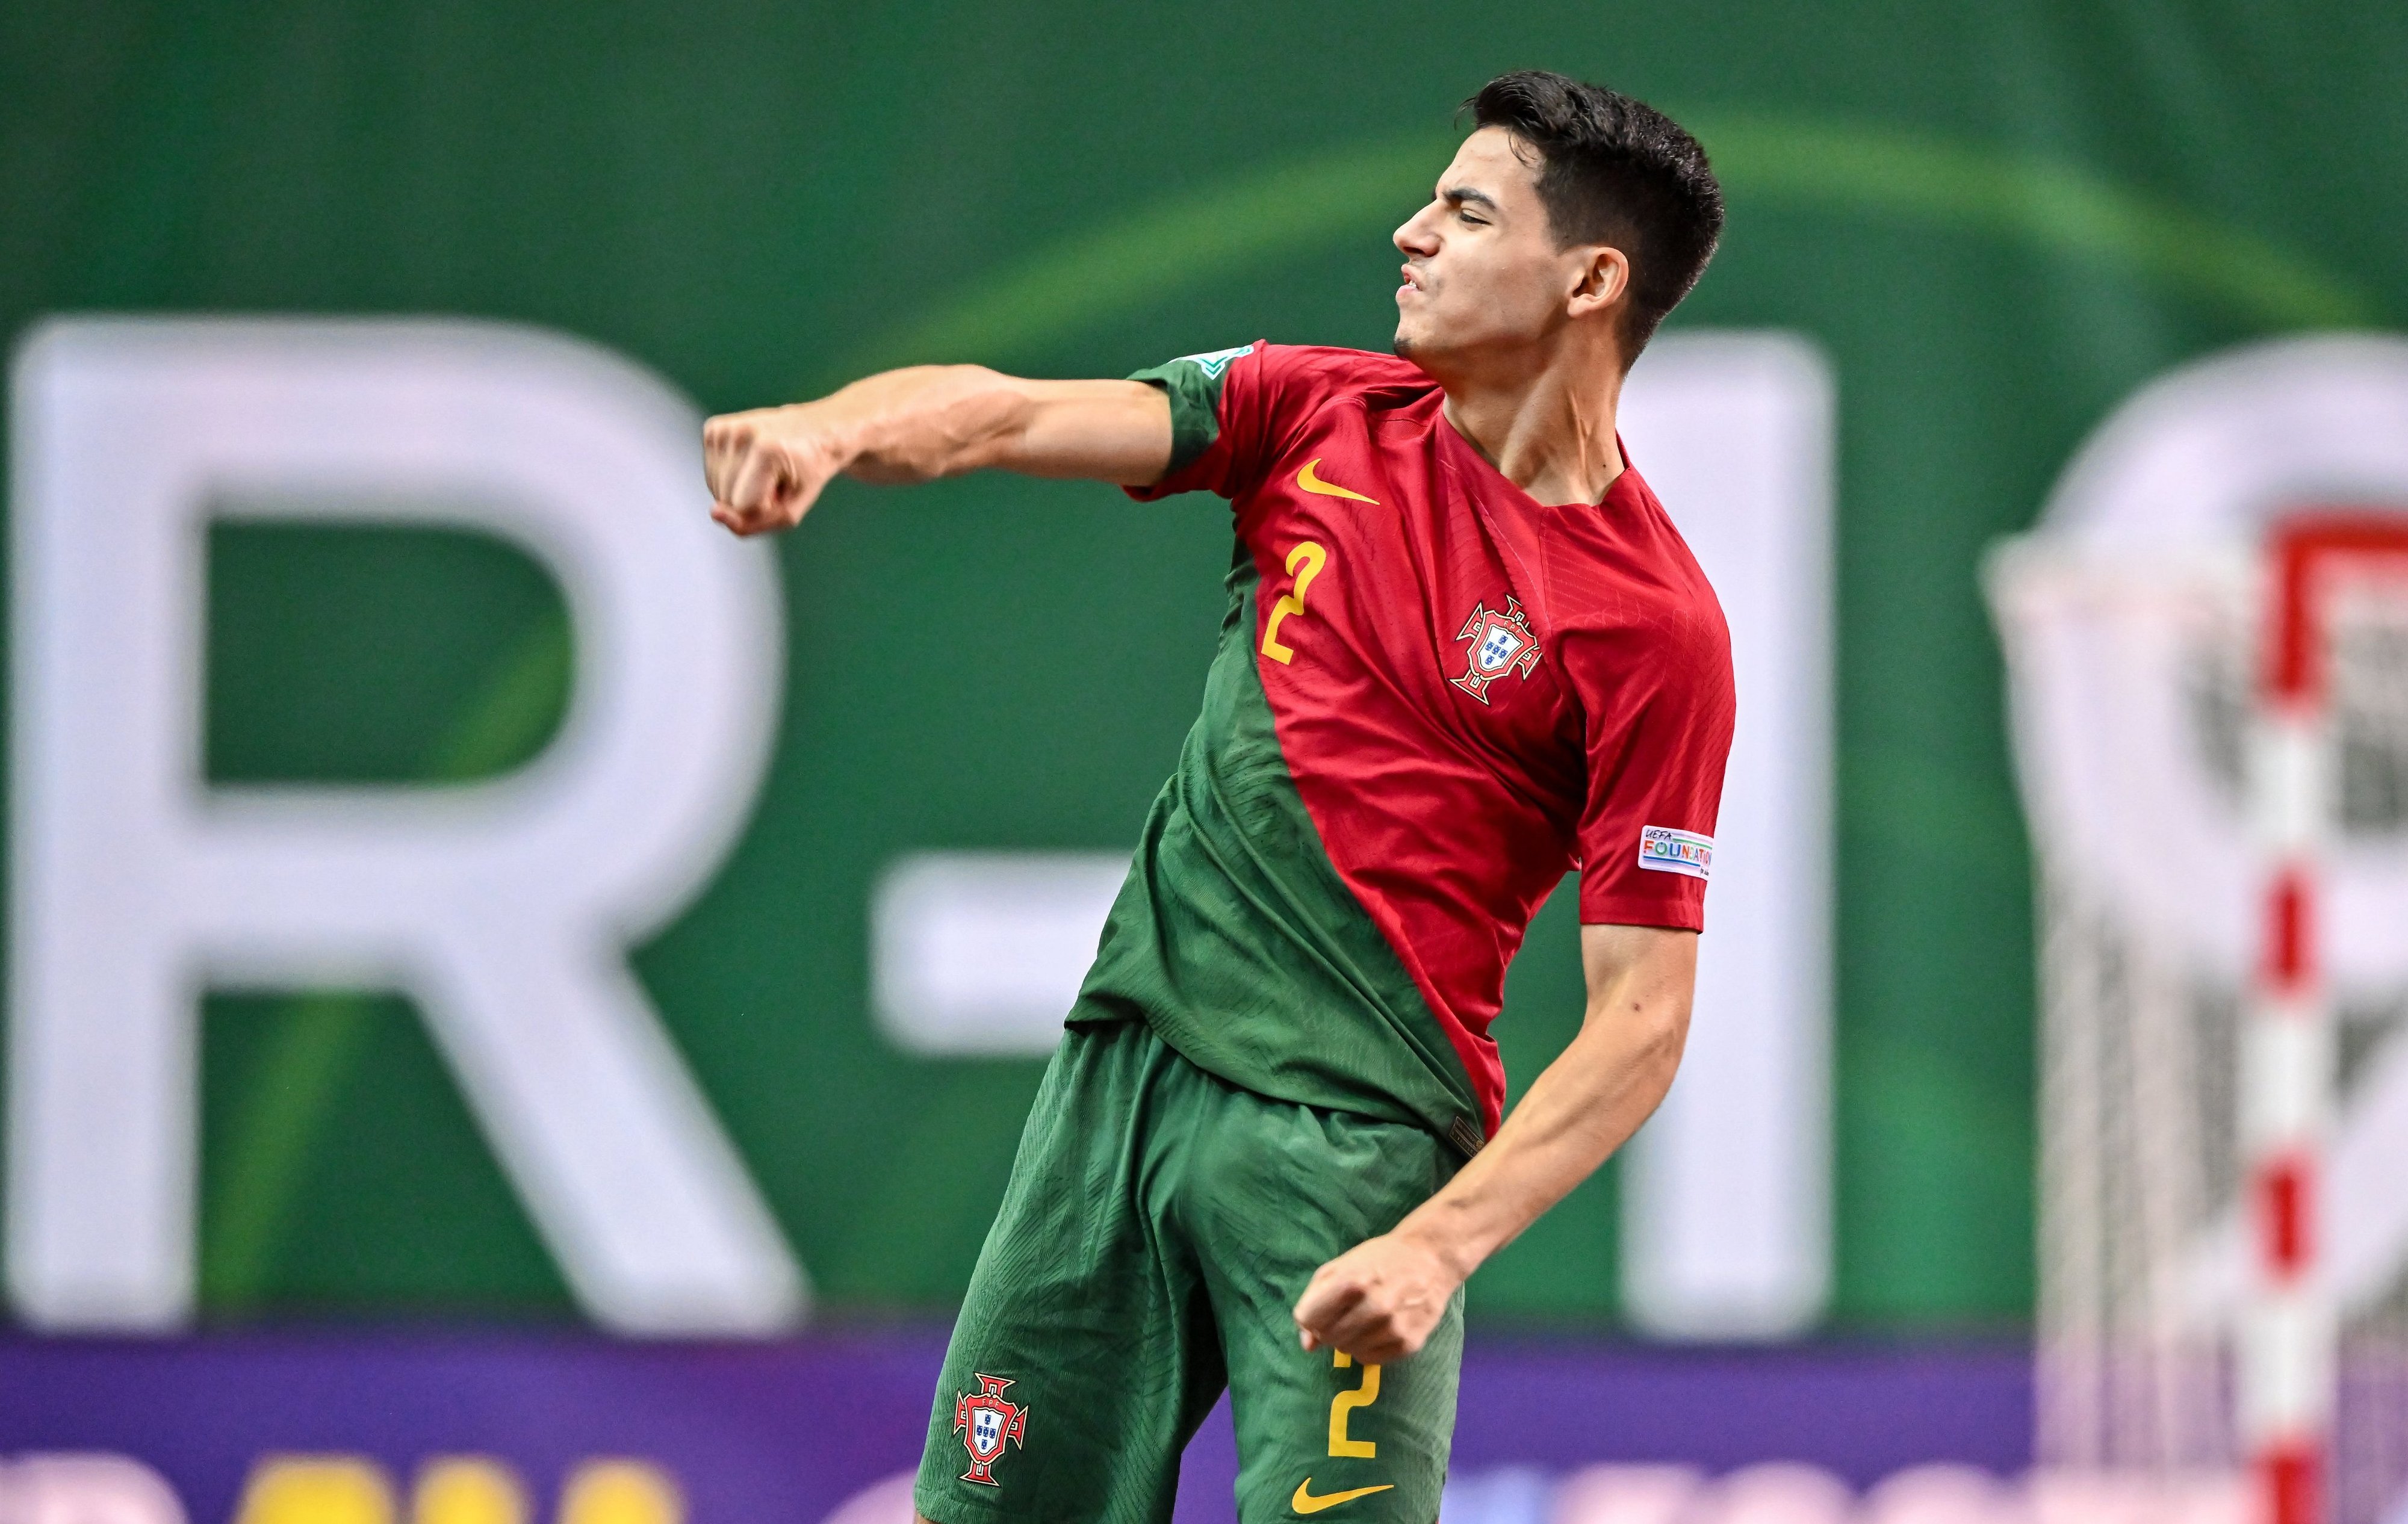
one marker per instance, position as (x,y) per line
(1345,1403)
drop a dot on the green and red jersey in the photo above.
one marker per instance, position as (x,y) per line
(1433,696)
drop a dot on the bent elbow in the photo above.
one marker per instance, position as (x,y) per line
(1652,1034)
(1665,1033)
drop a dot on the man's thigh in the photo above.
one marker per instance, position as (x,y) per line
(1318,1432)
(1277,1191)
(1085,1355)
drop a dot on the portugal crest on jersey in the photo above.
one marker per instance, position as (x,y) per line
(984,1422)
(1500,644)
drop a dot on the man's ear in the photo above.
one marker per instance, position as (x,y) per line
(1604,279)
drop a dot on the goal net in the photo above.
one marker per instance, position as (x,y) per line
(2222,1256)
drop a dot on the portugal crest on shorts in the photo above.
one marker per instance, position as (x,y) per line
(1500,644)
(984,1422)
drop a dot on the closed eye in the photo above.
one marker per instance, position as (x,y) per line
(1464,200)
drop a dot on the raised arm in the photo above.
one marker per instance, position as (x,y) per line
(767,467)
(1379,1301)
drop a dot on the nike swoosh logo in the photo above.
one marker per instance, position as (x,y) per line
(1311,483)
(1304,1501)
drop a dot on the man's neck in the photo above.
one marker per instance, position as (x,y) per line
(1549,428)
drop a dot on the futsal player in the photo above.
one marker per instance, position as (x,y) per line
(1465,652)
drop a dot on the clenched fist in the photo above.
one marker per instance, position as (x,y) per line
(1379,1302)
(767,467)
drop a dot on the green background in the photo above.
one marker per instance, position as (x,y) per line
(1997,220)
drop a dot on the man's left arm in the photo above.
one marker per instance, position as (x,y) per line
(1379,1301)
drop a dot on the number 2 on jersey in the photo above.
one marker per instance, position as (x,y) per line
(1304,564)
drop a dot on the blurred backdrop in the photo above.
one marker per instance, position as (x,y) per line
(464,914)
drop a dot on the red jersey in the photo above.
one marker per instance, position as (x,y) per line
(1433,697)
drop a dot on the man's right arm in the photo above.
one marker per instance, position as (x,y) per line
(767,467)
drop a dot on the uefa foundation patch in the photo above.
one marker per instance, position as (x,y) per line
(1666,850)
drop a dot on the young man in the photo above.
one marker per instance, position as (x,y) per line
(1465,651)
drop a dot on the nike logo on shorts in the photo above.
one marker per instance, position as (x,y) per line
(1305,1502)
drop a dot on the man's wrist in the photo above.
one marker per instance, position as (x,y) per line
(844,435)
(1437,1228)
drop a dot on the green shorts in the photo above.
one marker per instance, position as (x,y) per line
(1159,1225)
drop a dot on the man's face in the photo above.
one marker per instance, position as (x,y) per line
(1482,269)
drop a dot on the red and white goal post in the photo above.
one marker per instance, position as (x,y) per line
(2288,1372)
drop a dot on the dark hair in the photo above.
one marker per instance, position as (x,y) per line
(1615,171)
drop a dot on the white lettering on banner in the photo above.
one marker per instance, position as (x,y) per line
(503,907)
(1726,1190)
(1774,1492)
(91,1487)
(982,953)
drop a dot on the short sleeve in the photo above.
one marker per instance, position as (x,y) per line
(1658,722)
(1219,419)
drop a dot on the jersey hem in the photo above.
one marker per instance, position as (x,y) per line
(1465,1132)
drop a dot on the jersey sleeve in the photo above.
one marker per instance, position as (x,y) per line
(1222,410)
(1657,746)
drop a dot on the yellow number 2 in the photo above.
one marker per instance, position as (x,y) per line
(1347,1401)
(1309,557)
